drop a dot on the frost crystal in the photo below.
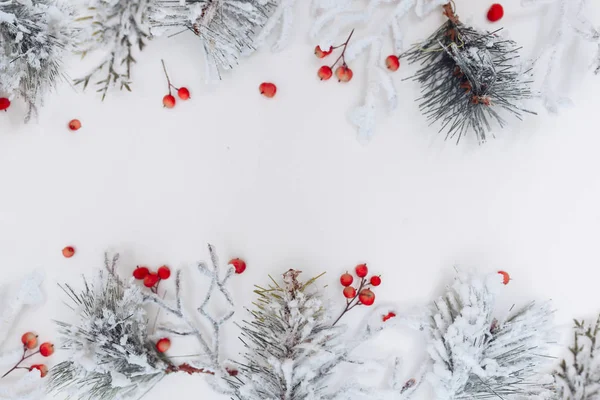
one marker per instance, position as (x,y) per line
(35,36)
(476,356)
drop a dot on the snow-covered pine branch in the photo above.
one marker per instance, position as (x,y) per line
(570,22)
(113,353)
(118,28)
(578,375)
(475,355)
(226,28)
(35,36)
(29,386)
(335,18)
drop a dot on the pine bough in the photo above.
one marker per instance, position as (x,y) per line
(112,351)
(476,356)
(578,376)
(35,36)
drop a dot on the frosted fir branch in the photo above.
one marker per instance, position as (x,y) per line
(578,375)
(570,23)
(119,28)
(282,16)
(35,36)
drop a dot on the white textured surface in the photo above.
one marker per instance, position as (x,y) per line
(283,183)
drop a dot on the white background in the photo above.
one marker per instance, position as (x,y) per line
(284,184)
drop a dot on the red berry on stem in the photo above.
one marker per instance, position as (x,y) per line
(392,63)
(4,103)
(163,345)
(495,13)
(238,264)
(366,297)
(29,340)
(183,93)
(388,316)
(361,270)
(267,89)
(40,367)
(164,272)
(68,252)
(46,349)
(140,273)
(74,124)
(349,292)
(505,277)
(346,279)
(169,101)
(375,280)
(151,279)
(321,53)
(325,72)
(343,73)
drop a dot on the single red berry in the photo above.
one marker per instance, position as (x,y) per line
(505,277)
(325,72)
(392,63)
(164,272)
(169,101)
(232,371)
(163,345)
(238,264)
(267,89)
(349,292)
(4,103)
(343,73)
(46,349)
(183,93)
(361,270)
(366,297)
(40,367)
(388,316)
(321,53)
(68,252)
(346,279)
(375,280)
(495,13)
(29,340)
(151,279)
(74,124)
(140,273)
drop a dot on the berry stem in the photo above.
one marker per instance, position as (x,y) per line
(345,45)
(23,358)
(167,75)
(349,302)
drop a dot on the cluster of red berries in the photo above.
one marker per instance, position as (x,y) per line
(152,279)
(182,92)
(364,294)
(343,73)
(30,342)
(4,103)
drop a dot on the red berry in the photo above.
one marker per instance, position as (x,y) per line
(343,73)
(366,297)
(150,280)
(346,279)
(164,272)
(40,367)
(68,252)
(392,63)
(74,124)
(349,292)
(4,103)
(29,339)
(325,73)
(495,13)
(232,371)
(361,270)
(238,264)
(169,101)
(140,273)
(375,280)
(320,53)
(267,89)
(46,349)
(163,345)
(505,277)
(183,93)
(388,316)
